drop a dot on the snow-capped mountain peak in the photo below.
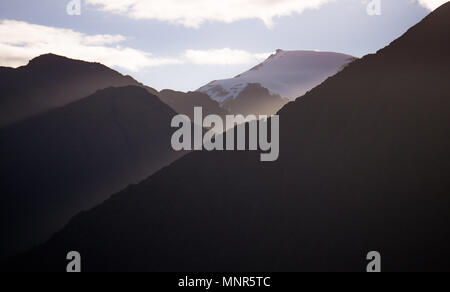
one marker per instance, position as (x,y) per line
(289,74)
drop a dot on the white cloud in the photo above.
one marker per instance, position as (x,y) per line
(432,4)
(193,13)
(21,41)
(223,57)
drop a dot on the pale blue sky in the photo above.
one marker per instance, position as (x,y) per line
(340,26)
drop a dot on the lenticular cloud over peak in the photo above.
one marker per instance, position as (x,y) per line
(196,12)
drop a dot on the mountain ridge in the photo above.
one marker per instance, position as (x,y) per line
(184,103)
(76,156)
(364,166)
(285,74)
(50,81)
(324,64)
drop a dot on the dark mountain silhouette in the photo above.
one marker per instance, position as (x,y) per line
(184,103)
(364,165)
(255,100)
(51,81)
(69,159)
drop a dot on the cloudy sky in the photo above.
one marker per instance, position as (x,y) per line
(183,45)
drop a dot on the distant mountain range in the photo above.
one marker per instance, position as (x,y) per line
(255,100)
(283,77)
(71,158)
(184,103)
(76,132)
(364,165)
(51,81)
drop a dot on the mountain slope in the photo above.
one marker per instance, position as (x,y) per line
(255,100)
(51,81)
(364,166)
(288,74)
(184,103)
(71,158)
